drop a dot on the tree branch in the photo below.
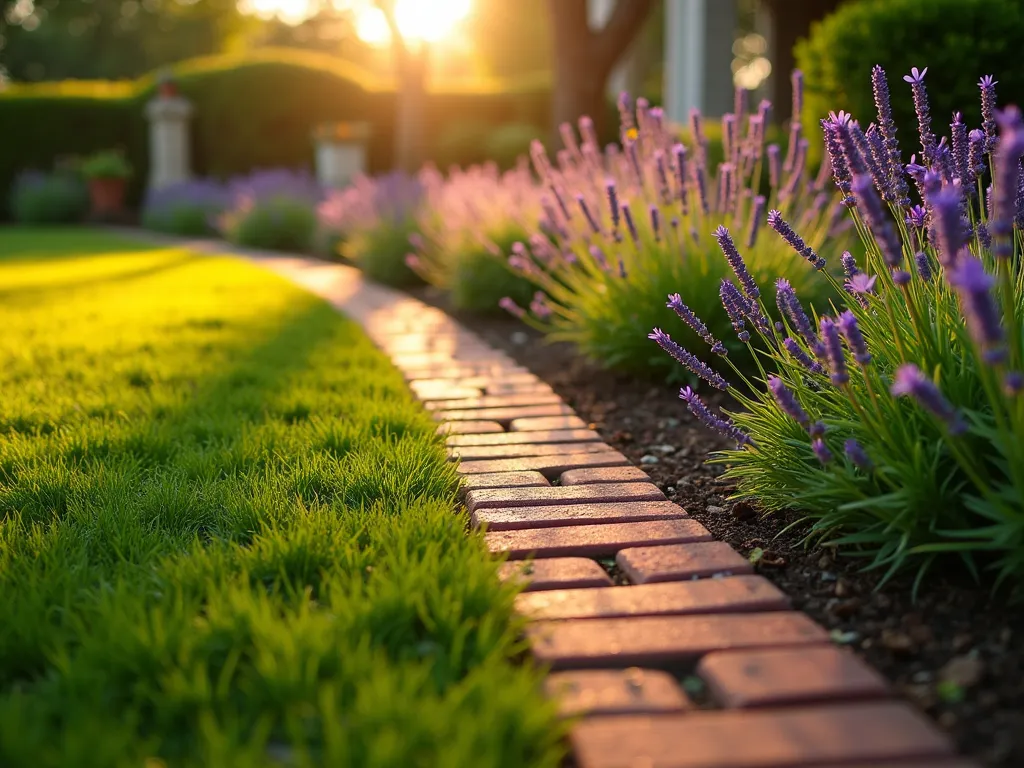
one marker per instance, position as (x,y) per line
(612,40)
(387,7)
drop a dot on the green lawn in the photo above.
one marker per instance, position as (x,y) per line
(227,534)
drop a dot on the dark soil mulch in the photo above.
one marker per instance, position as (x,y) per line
(955,651)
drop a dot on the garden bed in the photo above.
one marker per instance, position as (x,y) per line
(955,651)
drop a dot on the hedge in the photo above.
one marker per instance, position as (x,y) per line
(253,111)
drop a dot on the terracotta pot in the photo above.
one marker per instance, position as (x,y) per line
(107,195)
(168,89)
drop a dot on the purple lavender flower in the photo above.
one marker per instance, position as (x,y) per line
(849,264)
(984,236)
(924,118)
(688,316)
(693,363)
(976,154)
(909,380)
(700,181)
(974,285)
(948,229)
(599,256)
(834,351)
(510,306)
(789,305)
(987,84)
(821,451)
(594,227)
(787,400)
(679,153)
(630,225)
(837,160)
(729,143)
(916,217)
(885,234)
(796,173)
(796,79)
(892,165)
(1007,175)
(756,214)
(613,201)
(776,222)
(733,302)
(1013,383)
(539,306)
(798,354)
(857,456)
(732,255)
(655,222)
(720,425)
(961,166)
(854,338)
(774,166)
(817,429)
(861,283)
(924,266)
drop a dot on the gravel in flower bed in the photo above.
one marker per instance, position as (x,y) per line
(956,651)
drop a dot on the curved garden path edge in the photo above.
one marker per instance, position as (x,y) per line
(625,593)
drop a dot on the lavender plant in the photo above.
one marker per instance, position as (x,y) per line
(647,216)
(468,226)
(190,208)
(274,209)
(895,422)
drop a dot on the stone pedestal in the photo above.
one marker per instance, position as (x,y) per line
(169,147)
(340,153)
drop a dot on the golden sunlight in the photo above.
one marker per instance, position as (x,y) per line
(423,20)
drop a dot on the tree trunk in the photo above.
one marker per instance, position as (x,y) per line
(578,92)
(411,109)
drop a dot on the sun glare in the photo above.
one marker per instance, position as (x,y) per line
(425,20)
(288,11)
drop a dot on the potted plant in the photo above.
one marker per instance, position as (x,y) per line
(108,173)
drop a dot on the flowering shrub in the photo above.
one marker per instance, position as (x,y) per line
(644,219)
(49,198)
(373,220)
(190,208)
(273,209)
(468,225)
(896,423)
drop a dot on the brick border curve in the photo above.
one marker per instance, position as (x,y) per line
(568,510)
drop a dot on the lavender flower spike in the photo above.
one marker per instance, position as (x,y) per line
(733,301)
(613,201)
(909,380)
(509,305)
(948,229)
(869,204)
(720,425)
(857,456)
(924,118)
(787,400)
(854,338)
(987,84)
(630,225)
(893,165)
(789,305)
(688,316)
(834,351)
(821,451)
(756,214)
(800,356)
(732,255)
(1007,175)
(694,364)
(776,222)
(974,285)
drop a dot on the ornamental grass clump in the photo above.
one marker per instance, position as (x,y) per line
(895,422)
(468,226)
(647,217)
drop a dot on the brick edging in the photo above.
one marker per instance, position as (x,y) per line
(774,691)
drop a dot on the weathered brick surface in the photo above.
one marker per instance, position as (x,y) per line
(430,395)
(504,414)
(477,382)
(556,515)
(460,371)
(790,738)
(516,387)
(632,691)
(733,595)
(556,573)
(763,678)
(470,428)
(604,493)
(604,475)
(550,466)
(685,561)
(521,450)
(504,480)
(547,423)
(494,401)
(561,436)
(593,540)
(664,640)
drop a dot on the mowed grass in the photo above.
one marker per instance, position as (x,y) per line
(228,534)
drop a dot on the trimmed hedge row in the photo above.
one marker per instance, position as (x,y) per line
(257,111)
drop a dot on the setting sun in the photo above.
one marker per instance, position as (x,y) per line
(417,20)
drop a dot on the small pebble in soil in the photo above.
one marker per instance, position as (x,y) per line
(649,459)
(664,449)
(716,510)
(518,338)
(742,510)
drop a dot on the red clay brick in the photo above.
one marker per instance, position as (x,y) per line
(470,428)
(685,561)
(735,595)
(477,382)
(522,450)
(504,480)
(785,738)
(538,497)
(549,466)
(593,540)
(495,401)
(603,475)
(556,573)
(561,436)
(460,357)
(516,387)
(558,515)
(504,414)
(547,423)
(433,394)
(767,678)
(460,372)
(631,691)
(660,640)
